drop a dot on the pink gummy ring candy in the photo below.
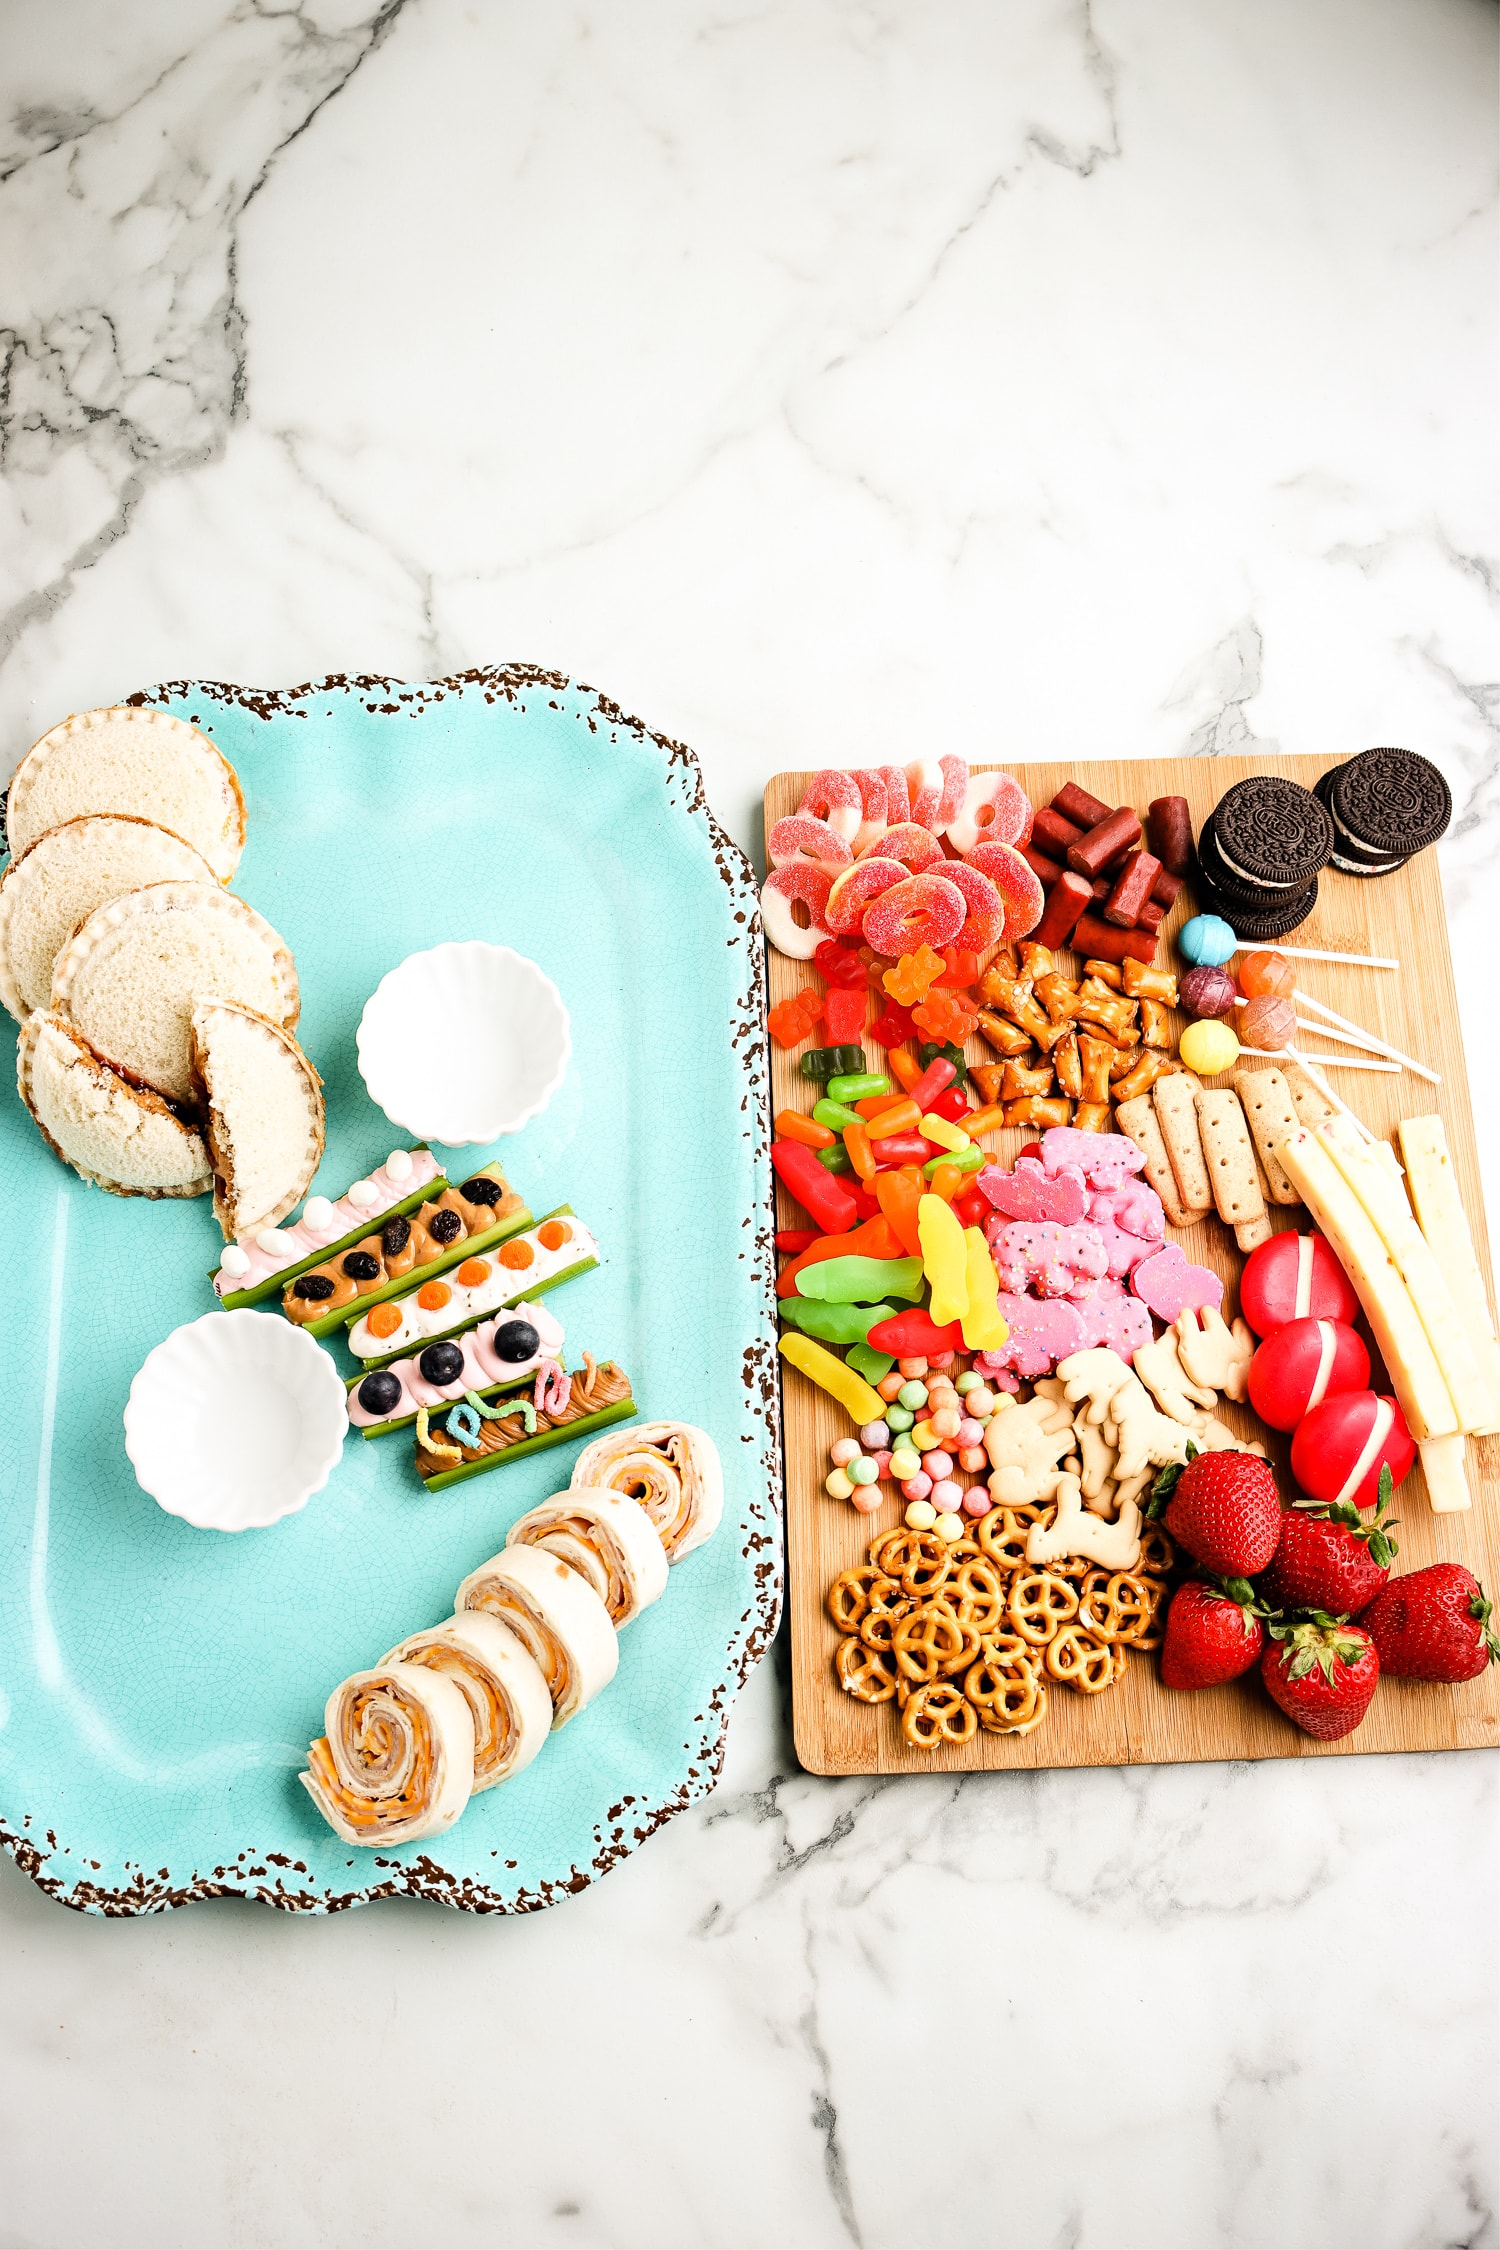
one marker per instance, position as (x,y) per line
(916,848)
(924,778)
(800,880)
(924,910)
(897,795)
(855,887)
(995,810)
(833,795)
(802,836)
(986,908)
(870,781)
(1019,888)
(955,784)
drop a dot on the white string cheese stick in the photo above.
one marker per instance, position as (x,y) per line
(1363,1037)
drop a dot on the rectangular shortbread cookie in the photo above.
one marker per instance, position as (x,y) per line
(1137,1121)
(1178,1118)
(1231,1166)
(1271,1115)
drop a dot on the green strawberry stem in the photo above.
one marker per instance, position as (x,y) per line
(1315,1638)
(1480,1607)
(1376,1534)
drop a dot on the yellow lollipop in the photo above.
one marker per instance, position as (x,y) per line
(1208,1047)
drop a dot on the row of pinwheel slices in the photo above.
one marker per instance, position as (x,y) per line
(467,1704)
(863,856)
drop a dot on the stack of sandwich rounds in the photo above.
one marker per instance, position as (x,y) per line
(157,1010)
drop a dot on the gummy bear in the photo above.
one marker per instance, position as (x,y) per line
(961,970)
(943,1016)
(791,1021)
(840,965)
(913,975)
(892,1026)
(844,1012)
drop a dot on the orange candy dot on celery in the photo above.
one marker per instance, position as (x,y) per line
(791,1125)
(384,1320)
(433,1295)
(1266,975)
(472,1272)
(516,1256)
(898,1193)
(857,1142)
(913,975)
(904,1068)
(553,1234)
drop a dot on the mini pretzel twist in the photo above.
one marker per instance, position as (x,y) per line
(849,1596)
(929,1643)
(920,1560)
(878,1625)
(1115,1607)
(865,1673)
(1002,1536)
(976,1594)
(1041,1603)
(879,1544)
(1002,1648)
(1080,1660)
(1003,1692)
(1157,1553)
(937,1715)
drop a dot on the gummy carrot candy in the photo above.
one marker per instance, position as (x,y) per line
(913,974)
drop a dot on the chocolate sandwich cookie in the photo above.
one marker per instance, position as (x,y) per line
(1217,869)
(1270,836)
(1262,922)
(1347,856)
(1385,805)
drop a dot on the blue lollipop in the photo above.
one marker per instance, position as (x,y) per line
(1207,941)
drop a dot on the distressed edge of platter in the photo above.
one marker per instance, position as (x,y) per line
(270,1878)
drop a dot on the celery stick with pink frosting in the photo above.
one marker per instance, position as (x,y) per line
(261,1262)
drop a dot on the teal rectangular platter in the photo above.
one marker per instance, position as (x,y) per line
(159,1685)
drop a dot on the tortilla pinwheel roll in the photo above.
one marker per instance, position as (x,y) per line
(672,1469)
(397,1761)
(607,1539)
(501,1682)
(555,1614)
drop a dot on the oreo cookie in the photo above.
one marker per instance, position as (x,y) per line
(1263,921)
(1269,837)
(1385,805)
(1217,869)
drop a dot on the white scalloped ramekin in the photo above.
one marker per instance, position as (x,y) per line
(463,1043)
(235,1420)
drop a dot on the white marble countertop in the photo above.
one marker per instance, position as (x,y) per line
(821,380)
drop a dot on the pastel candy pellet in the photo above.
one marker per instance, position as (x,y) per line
(866,1497)
(946,1495)
(949,1526)
(917,1487)
(837,1485)
(905,1462)
(977,1501)
(921,1515)
(862,1471)
(1207,941)
(844,1450)
(938,1463)
(874,1435)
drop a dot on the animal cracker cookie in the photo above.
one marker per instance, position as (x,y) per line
(1170,1284)
(1215,1354)
(1025,1448)
(1098,1376)
(1164,1375)
(1105,1159)
(1074,1530)
(1032,1193)
(1042,1331)
(1111,1316)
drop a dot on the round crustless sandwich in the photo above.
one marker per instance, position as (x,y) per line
(130,760)
(66,874)
(262,1106)
(114,1134)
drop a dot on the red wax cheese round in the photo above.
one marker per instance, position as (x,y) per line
(1340,1447)
(1301,1365)
(1294,1277)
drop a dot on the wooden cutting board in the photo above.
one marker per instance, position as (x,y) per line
(1138,1721)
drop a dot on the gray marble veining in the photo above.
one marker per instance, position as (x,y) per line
(1067,377)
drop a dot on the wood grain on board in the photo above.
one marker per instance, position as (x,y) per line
(1139,1721)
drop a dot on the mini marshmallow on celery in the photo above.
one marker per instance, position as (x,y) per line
(451,1303)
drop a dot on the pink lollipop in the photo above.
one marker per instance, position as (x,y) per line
(801,880)
(917,848)
(995,810)
(801,836)
(955,784)
(1014,880)
(855,887)
(924,778)
(986,917)
(897,795)
(924,910)
(833,795)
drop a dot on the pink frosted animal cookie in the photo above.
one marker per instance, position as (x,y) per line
(1112,1317)
(1171,1286)
(1106,1160)
(1043,1330)
(1028,1192)
(1134,1207)
(1047,1258)
(1124,1251)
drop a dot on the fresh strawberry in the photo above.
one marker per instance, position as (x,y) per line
(1434,1624)
(1225,1509)
(1214,1632)
(1322,1671)
(1329,1557)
